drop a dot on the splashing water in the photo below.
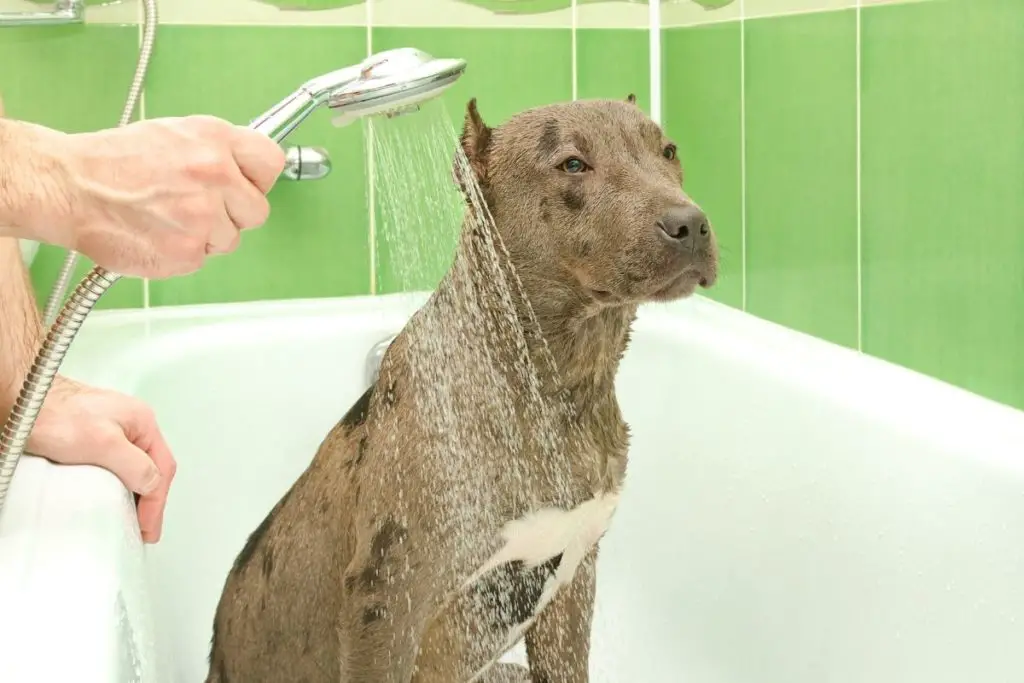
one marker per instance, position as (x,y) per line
(487,389)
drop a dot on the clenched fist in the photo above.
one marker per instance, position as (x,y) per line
(150,199)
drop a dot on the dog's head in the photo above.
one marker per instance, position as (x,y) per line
(592,190)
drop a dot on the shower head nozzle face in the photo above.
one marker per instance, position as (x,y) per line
(393,83)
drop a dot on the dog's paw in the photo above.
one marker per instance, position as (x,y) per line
(504,672)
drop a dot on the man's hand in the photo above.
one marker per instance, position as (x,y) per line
(150,199)
(82,425)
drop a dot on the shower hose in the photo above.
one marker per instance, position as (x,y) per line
(47,362)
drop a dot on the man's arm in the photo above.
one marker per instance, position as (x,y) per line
(151,199)
(31,179)
(20,326)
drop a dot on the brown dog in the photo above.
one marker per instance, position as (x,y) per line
(457,507)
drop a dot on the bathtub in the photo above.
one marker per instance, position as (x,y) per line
(794,512)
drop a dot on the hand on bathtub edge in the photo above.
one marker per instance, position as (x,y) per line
(84,425)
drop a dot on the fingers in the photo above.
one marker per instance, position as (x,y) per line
(246,204)
(259,163)
(225,237)
(141,430)
(130,463)
(151,506)
(259,158)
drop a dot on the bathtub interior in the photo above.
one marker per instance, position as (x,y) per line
(793,511)
(773,527)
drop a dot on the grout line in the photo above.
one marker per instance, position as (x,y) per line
(146,303)
(860,234)
(654,47)
(371,193)
(575,70)
(743,157)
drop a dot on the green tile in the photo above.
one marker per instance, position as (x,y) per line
(701,112)
(316,241)
(46,80)
(943,191)
(509,70)
(54,86)
(612,63)
(801,172)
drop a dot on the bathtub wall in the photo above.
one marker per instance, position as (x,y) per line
(864,171)
(862,165)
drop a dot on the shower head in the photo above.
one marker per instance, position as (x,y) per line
(389,83)
(392,83)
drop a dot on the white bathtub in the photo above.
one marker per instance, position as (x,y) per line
(794,513)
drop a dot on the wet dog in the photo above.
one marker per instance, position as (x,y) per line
(457,508)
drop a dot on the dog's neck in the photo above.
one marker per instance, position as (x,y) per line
(585,340)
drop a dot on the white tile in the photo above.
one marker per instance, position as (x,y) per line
(676,13)
(769,8)
(874,3)
(462,13)
(612,14)
(256,13)
(123,12)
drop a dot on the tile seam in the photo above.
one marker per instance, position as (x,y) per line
(141,18)
(859,188)
(575,57)
(743,157)
(371,193)
(654,49)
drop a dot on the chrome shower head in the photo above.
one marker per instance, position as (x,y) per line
(393,83)
(389,83)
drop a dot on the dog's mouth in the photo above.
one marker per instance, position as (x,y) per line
(683,285)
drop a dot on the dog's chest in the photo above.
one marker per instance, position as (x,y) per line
(540,554)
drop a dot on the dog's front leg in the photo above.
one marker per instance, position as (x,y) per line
(558,644)
(388,605)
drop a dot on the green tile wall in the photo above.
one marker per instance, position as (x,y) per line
(921,262)
(801,172)
(614,63)
(943,198)
(916,258)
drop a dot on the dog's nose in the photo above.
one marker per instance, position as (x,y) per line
(686,224)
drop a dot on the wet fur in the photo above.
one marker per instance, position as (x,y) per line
(355,574)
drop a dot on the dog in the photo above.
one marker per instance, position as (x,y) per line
(456,509)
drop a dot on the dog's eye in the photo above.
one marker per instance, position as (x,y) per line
(669,152)
(574,165)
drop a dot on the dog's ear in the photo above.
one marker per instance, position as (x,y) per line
(476,140)
(631,99)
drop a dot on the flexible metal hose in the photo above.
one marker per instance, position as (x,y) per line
(44,369)
(67,271)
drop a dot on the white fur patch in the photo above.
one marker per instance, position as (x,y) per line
(542,534)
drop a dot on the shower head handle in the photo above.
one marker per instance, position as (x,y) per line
(388,83)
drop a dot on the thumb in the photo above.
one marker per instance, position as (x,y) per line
(131,465)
